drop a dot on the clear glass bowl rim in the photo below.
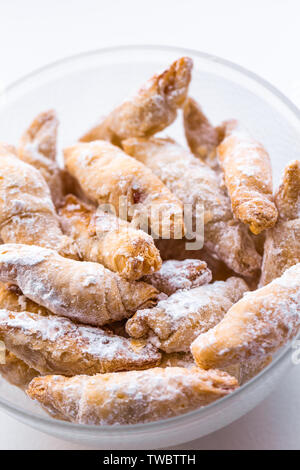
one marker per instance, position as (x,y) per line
(132,428)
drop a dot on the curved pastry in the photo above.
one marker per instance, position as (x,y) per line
(83,291)
(178,320)
(55,345)
(108,176)
(248,177)
(203,138)
(151,110)
(177,275)
(38,148)
(197,185)
(16,371)
(130,397)
(27,214)
(282,245)
(104,238)
(255,327)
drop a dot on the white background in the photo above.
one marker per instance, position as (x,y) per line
(261,35)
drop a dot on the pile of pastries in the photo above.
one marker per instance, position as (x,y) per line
(105,321)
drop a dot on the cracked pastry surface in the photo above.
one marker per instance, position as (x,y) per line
(104,238)
(152,109)
(83,291)
(130,397)
(56,345)
(175,322)
(248,176)
(255,327)
(197,185)
(108,175)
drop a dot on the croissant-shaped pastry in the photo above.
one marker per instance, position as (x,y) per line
(255,327)
(83,291)
(282,245)
(178,320)
(248,177)
(55,345)
(197,185)
(151,110)
(104,238)
(203,138)
(27,214)
(177,275)
(38,148)
(130,397)
(108,176)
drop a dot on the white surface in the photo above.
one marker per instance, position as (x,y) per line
(261,35)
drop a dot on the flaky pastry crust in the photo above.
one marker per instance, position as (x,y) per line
(130,397)
(175,322)
(203,138)
(248,177)
(27,214)
(106,175)
(151,110)
(38,148)
(177,275)
(16,371)
(55,345)
(282,245)
(196,184)
(104,238)
(83,291)
(255,327)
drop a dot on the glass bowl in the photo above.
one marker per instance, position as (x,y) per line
(86,86)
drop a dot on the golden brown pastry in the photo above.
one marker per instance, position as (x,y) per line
(83,291)
(108,176)
(27,214)
(38,148)
(104,238)
(55,345)
(203,138)
(175,322)
(17,372)
(130,397)
(151,110)
(282,245)
(248,177)
(287,197)
(11,298)
(178,359)
(176,249)
(14,370)
(176,275)
(198,187)
(255,327)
